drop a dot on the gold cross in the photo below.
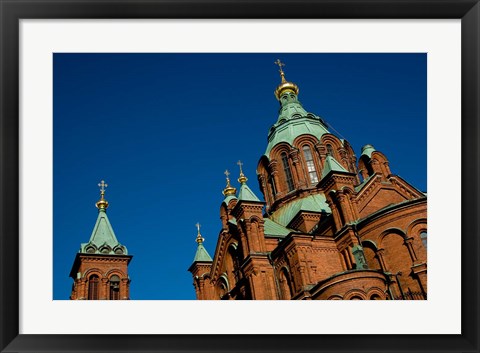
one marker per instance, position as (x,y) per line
(280,64)
(240,165)
(227,173)
(102,186)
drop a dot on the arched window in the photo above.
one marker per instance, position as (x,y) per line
(271,181)
(312,173)
(93,287)
(288,173)
(114,287)
(356,297)
(423,236)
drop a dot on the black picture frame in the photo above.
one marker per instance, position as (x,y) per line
(12,11)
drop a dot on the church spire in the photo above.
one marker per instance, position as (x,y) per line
(285,85)
(201,255)
(103,239)
(100,268)
(245,193)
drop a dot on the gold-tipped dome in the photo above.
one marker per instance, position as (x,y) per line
(242,179)
(284,85)
(102,204)
(229,189)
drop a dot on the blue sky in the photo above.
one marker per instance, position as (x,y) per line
(161,129)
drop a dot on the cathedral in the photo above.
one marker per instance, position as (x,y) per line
(330,225)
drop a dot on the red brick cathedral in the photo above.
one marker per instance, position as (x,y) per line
(331,226)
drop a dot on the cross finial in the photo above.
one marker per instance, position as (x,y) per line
(240,164)
(198,227)
(102,204)
(102,186)
(229,189)
(280,65)
(242,179)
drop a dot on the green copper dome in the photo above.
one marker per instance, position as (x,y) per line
(293,121)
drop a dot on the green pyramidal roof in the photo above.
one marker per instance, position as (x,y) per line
(103,239)
(246,194)
(202,255)
(332,164)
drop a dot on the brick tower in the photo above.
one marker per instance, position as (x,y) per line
(100,269)
(331,227)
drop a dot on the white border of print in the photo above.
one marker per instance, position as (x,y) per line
(39,314)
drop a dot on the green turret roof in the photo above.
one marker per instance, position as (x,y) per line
(229,198)
(202,255)
(246,194)
(332,164)
(103,239)
(367,150)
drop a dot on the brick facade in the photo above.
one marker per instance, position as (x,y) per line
(338,227)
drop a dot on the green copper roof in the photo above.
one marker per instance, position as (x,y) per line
(229,198)
(332,164)
(312,203)
(270,228)
(367,150)
(293,121)
(103,239)
(202,255)
(288,131)
(275,229)
(246,194)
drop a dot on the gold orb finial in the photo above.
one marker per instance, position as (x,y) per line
(284,85)
(199,239)
(242,179)
(229,189)
(102,204)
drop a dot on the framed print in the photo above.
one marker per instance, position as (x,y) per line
(153,98)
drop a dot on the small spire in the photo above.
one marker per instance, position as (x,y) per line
(102,204)
(242,179)
(199,239)
(229,190)
(201,254)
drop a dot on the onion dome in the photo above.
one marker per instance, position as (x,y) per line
(284,85)
(229,189)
